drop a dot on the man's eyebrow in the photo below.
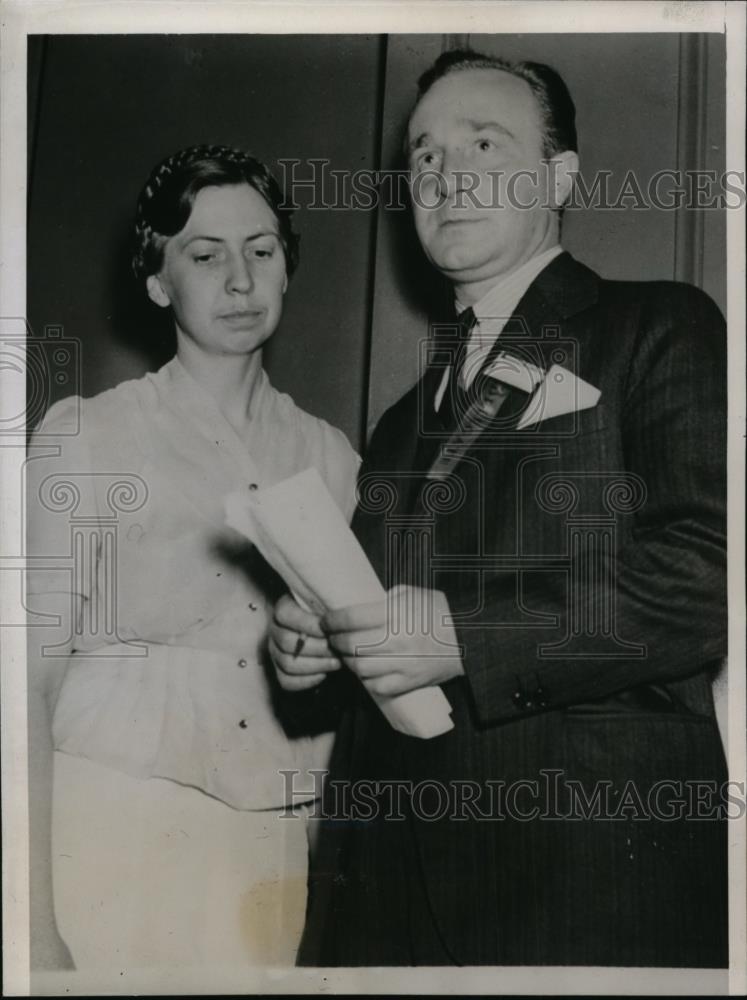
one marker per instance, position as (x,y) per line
(419,140)
(475,124)
(478,126)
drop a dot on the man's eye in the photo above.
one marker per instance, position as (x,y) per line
(427,160)
(485,144)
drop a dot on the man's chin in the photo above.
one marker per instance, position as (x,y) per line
(458,262)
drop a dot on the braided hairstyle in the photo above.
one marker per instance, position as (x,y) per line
(166,201)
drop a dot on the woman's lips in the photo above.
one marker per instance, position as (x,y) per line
(242,317)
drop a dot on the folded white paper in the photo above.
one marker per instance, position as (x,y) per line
(303,535)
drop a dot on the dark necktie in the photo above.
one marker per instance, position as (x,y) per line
(466,412)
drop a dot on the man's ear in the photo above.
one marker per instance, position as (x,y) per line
(156,292)
(563,169)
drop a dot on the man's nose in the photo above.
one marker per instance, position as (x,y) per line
(239,278)
(454,169)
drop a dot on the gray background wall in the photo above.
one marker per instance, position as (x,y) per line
(108,108)
(643,102)
(104,109)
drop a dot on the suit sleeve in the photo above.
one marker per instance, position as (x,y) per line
(667,582)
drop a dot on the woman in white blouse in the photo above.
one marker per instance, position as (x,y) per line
(152,696)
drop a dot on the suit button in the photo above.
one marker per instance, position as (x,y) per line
(243,724)
(253,487)
(252,606)
(518,699)
(242,662)
(540,696)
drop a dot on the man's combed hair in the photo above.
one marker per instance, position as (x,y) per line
(166,201)
(556,105)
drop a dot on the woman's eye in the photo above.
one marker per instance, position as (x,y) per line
(485,144)
(204,258)
(263,253)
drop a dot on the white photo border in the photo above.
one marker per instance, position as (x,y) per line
(19,19)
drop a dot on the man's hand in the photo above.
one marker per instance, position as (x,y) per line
(399,644)
(299,647)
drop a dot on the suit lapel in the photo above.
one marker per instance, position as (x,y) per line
(431,427)
(563,289)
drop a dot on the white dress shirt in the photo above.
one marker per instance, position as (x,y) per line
(492,312)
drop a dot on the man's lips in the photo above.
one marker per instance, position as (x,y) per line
(459,222)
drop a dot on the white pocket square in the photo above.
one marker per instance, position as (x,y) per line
(559,392)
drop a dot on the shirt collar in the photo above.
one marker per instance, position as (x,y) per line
(501,300)
(205,417)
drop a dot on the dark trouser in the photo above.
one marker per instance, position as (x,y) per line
(381,914)
(389,923)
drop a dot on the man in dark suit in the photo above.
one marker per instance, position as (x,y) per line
(547,507)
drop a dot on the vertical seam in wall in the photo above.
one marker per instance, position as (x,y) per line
(689,228)
(365,402)
(33,144)
(701,111)
(454,42)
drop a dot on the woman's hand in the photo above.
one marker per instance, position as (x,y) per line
(299,648)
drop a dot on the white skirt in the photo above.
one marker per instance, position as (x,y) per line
(149,874)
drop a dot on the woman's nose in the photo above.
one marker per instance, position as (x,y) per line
(239,277)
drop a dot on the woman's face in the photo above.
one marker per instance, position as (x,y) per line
(224,273)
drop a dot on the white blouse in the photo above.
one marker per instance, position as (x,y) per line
(169,675)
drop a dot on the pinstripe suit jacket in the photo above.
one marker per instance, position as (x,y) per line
(584,560)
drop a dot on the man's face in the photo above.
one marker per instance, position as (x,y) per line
(224,273)
(470,138)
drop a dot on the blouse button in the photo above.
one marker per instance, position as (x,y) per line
(135,533)
(253,487)
(242,662)
(242,724)
(252,607)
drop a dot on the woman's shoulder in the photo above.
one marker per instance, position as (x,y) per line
(314,432)
(312,441)
(106,419)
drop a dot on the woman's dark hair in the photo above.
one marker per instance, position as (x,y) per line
(557,110)
(166,201)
